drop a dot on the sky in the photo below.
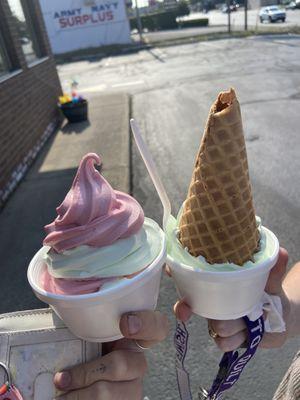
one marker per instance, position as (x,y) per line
(16,8)
(141,3)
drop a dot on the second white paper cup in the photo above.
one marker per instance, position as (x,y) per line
(95,317)
(227,294)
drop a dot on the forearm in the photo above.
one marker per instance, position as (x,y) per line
(291,288)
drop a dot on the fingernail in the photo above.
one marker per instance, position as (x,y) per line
(62,379)
(134,324)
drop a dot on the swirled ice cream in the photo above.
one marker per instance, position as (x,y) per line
(100,236)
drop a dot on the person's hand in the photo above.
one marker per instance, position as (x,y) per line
(232,334)
(119,372)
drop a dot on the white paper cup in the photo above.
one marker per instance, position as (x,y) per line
(95,317)
(227,294)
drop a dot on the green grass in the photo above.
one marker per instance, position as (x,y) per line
(225,35)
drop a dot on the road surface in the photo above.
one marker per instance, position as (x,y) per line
(172,89)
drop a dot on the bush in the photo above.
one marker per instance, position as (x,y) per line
(155,22)
(193,23)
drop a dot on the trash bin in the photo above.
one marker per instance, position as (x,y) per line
(75,111)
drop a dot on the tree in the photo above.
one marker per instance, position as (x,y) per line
(182,8)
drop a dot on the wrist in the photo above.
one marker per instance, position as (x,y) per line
(290,307)
(286,310)
(290,288)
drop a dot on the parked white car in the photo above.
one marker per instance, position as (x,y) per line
(272,14)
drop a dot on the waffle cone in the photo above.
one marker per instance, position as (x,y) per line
(218,217)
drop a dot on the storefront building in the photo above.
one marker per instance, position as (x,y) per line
(81,24)
(254,4)
(29,87)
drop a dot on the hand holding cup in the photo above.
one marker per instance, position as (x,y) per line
(119,373)
(231,334)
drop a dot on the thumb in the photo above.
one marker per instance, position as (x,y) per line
(277,273)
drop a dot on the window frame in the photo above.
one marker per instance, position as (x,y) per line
(8,67)
(33,30)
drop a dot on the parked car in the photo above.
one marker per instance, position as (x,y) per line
(272,14)
(233,7)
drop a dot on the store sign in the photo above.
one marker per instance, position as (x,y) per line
(81,24)
(88,15)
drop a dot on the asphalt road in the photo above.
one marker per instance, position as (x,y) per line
(172,89)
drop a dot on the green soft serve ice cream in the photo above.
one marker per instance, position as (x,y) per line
(182,255)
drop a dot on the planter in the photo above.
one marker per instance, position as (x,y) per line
(75,111)
(193,23)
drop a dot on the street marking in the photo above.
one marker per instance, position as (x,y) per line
(209,44)
(128,83)
(97,88)
(281,42)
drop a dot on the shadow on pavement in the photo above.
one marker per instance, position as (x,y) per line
(78,127)
(33,204)
(156,56)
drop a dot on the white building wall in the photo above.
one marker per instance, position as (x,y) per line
(81,24)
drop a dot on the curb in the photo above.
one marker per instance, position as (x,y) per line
(98,53)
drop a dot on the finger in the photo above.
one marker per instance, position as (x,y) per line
(119,365)
(168,271)
(231,343)
(104,390)
(277,273)
(227,328)
(182,311)
(151,326)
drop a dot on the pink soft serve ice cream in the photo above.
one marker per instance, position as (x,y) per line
(99,236)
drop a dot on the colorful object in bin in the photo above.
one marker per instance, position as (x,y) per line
(74,107)
(74,98)
(64,99)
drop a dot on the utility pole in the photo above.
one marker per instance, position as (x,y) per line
(246,15)
(229,16)
(138,19)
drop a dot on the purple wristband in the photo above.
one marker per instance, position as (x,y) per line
(231,365)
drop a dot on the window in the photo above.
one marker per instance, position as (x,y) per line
(28,35)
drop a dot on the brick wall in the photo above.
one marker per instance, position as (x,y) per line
(28,100)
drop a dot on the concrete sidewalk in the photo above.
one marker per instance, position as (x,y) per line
(44,187)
